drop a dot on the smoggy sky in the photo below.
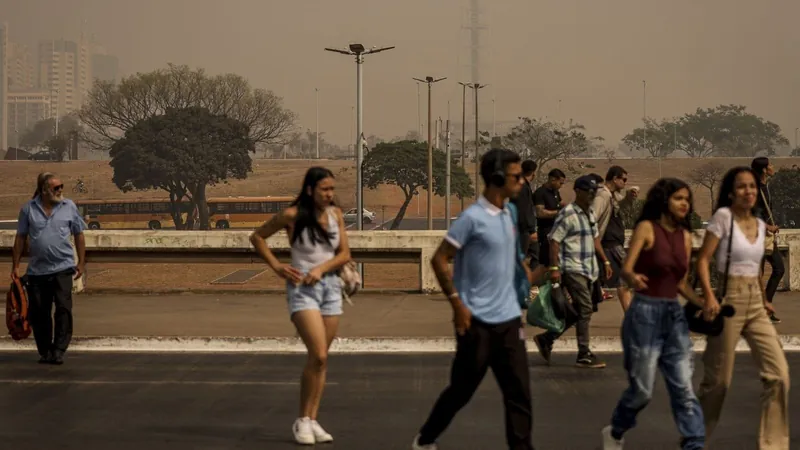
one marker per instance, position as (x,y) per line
(591,54)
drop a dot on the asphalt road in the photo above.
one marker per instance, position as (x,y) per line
(248,401)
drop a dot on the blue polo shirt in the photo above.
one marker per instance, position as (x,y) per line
(485,237)
(50,248)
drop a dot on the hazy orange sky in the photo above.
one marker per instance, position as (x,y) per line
(591,54)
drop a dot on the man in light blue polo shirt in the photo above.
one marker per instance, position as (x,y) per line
(46,223)
(486,312)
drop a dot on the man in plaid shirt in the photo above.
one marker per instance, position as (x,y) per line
(574,248)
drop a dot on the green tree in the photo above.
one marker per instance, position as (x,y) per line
(657,138)
(405,165)
(182,152)
(111,109)
(44,130)
(544,141)
(728,130)
(784,187)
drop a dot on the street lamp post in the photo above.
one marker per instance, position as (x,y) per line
(475,87)
(316,92)
(463,128)
(430,81)
(359,52)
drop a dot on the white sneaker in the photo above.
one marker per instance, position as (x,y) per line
(320,435)
(609,443)
(303,432)
(416,446)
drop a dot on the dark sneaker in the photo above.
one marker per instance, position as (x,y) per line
(774,318)
(46,358)
(57,358)
(544,347)
(589,361)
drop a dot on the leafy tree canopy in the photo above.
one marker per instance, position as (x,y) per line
(405,165)
(544,141)
(182,151)
(44,130)
(726,130)
(112,109)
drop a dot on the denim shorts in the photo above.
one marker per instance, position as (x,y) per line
(324,296)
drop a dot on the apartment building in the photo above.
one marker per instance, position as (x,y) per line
(65,72)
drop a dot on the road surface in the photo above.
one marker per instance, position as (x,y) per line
(232,401)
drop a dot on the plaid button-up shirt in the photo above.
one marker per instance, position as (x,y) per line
(575,231)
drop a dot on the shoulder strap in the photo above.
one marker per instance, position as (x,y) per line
(766,205)
(724,288)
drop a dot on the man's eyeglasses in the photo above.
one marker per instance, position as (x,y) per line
(60,187)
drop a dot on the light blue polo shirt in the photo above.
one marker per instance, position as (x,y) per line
(485,237)
(50,248)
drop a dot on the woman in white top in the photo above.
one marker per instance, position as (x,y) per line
(745,292)
(319,248)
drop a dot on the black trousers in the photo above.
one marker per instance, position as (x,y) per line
(43,292)
(775,260)
(483,346)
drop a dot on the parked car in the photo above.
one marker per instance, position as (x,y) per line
(352,215)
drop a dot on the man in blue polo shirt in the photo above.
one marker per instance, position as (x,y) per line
(486,312)
(47,222)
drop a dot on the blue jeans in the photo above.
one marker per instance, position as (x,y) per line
(655,334)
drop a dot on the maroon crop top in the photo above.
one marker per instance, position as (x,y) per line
(665,264)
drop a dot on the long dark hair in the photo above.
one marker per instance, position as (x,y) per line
(41,182)
(307,209)
(728,185)
(657,202)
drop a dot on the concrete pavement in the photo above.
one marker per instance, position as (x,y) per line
(376,322)
(201,402)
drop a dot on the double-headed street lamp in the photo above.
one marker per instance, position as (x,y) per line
(430,81)
(359,51)
(475,86)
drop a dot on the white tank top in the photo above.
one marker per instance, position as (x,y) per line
(307,254)
(745,257)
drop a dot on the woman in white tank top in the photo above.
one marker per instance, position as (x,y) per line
(734,220)
(319,248)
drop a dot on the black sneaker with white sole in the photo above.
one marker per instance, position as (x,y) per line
(590,361)
(774,318)
(544,347)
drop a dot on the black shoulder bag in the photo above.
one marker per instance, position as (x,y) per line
(694,313)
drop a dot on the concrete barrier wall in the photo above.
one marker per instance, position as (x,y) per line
(421,244)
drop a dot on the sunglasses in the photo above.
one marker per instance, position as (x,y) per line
(58,188)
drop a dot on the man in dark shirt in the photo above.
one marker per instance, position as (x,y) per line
(548,203)
(764,170)
(527,212)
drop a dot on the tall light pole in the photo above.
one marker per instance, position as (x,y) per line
(430,81)
(359,52)
(475,87)
(463,128)
(316,91)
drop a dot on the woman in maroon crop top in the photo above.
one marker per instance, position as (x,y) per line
(655,334)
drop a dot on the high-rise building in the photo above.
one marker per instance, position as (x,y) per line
(25,109)
(21,75)
(65,72)
(3,86)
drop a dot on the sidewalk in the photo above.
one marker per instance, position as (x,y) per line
(413,318)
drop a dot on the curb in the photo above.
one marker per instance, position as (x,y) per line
(200,344)
(88,292)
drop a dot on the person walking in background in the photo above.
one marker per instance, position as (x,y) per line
(528,236)
(46,222)
(611,196)
(486,311)
(319,248)
(548,202)
(745,292)
(574,249)
(764,170)
(655,332)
